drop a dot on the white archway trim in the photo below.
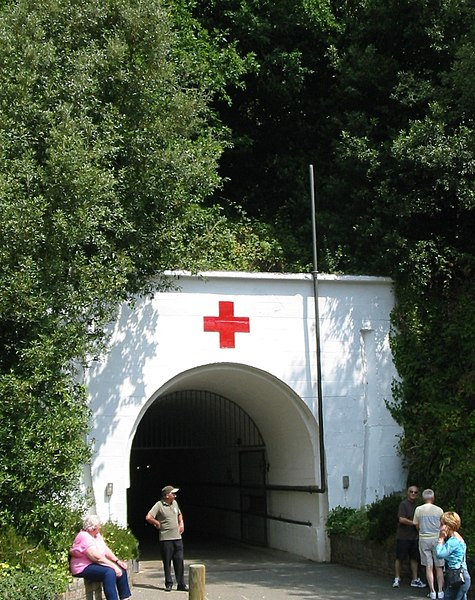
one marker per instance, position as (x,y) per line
(287,425)
(290,433)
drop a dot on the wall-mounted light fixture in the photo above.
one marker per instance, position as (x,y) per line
(109,489)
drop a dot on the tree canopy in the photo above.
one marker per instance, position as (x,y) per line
(108,147)
(136,137)
(378,96)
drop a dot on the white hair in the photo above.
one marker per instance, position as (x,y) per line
(90,522)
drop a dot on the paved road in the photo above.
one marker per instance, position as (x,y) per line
(237,572)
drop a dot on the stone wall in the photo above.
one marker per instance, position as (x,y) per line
(365,555)
(79,589)
(374,558)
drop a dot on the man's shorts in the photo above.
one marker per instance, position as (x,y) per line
(407,549)
(427,552)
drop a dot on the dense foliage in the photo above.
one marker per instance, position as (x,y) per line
(31,585)
(136,137)
(376,522)
(343,520)
(435,398)
(30,571)
(121,541)
(277,118)
(108,147)
(378,95)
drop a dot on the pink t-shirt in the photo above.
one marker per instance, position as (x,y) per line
(83,541)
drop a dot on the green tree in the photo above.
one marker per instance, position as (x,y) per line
(107,145)
(391,62)
(405,162)
(379,96)
(277,116)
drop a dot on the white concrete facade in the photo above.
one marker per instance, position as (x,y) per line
(270,370)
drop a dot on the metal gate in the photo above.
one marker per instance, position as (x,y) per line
(196,419)
(253,497)
(198,434)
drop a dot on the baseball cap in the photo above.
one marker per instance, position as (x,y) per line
(169,489)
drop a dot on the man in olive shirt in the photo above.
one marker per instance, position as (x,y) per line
(165,515)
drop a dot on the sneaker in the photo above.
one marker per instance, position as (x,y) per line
(418,583)
(440,595)
(432,595)
(396,582)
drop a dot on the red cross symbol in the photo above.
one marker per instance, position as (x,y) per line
(226,324)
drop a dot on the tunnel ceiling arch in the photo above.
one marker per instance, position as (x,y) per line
(211,421)
(287,425)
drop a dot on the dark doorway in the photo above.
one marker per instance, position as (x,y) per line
(212,450)
(253,497)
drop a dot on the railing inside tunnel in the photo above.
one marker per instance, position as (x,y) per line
(309,489)
(252,513)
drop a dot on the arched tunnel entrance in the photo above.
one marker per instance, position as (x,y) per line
(210,448)
(243,449)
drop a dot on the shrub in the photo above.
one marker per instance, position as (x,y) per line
(121,541)
(42,524)
(28,570)
(31,585)
(16,551)
(382,517)
(348,521)
(377,522)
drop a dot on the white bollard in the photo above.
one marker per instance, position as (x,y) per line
(196,582)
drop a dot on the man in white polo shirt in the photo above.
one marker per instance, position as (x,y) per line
(427,521)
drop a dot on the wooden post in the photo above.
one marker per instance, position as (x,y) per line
(196,581)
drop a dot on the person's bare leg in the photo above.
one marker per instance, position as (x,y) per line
(430,577)
(414,568)
(397,568)
(440,578)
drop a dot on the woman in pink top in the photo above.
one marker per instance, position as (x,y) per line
(92,559)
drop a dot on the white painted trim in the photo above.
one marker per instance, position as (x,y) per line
(279,276)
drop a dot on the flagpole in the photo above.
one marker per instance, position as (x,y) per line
(317,334)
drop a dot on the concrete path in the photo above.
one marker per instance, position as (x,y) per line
(238,572)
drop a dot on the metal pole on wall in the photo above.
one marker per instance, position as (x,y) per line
(317,334)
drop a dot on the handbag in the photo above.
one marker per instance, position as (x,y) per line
(454,577)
